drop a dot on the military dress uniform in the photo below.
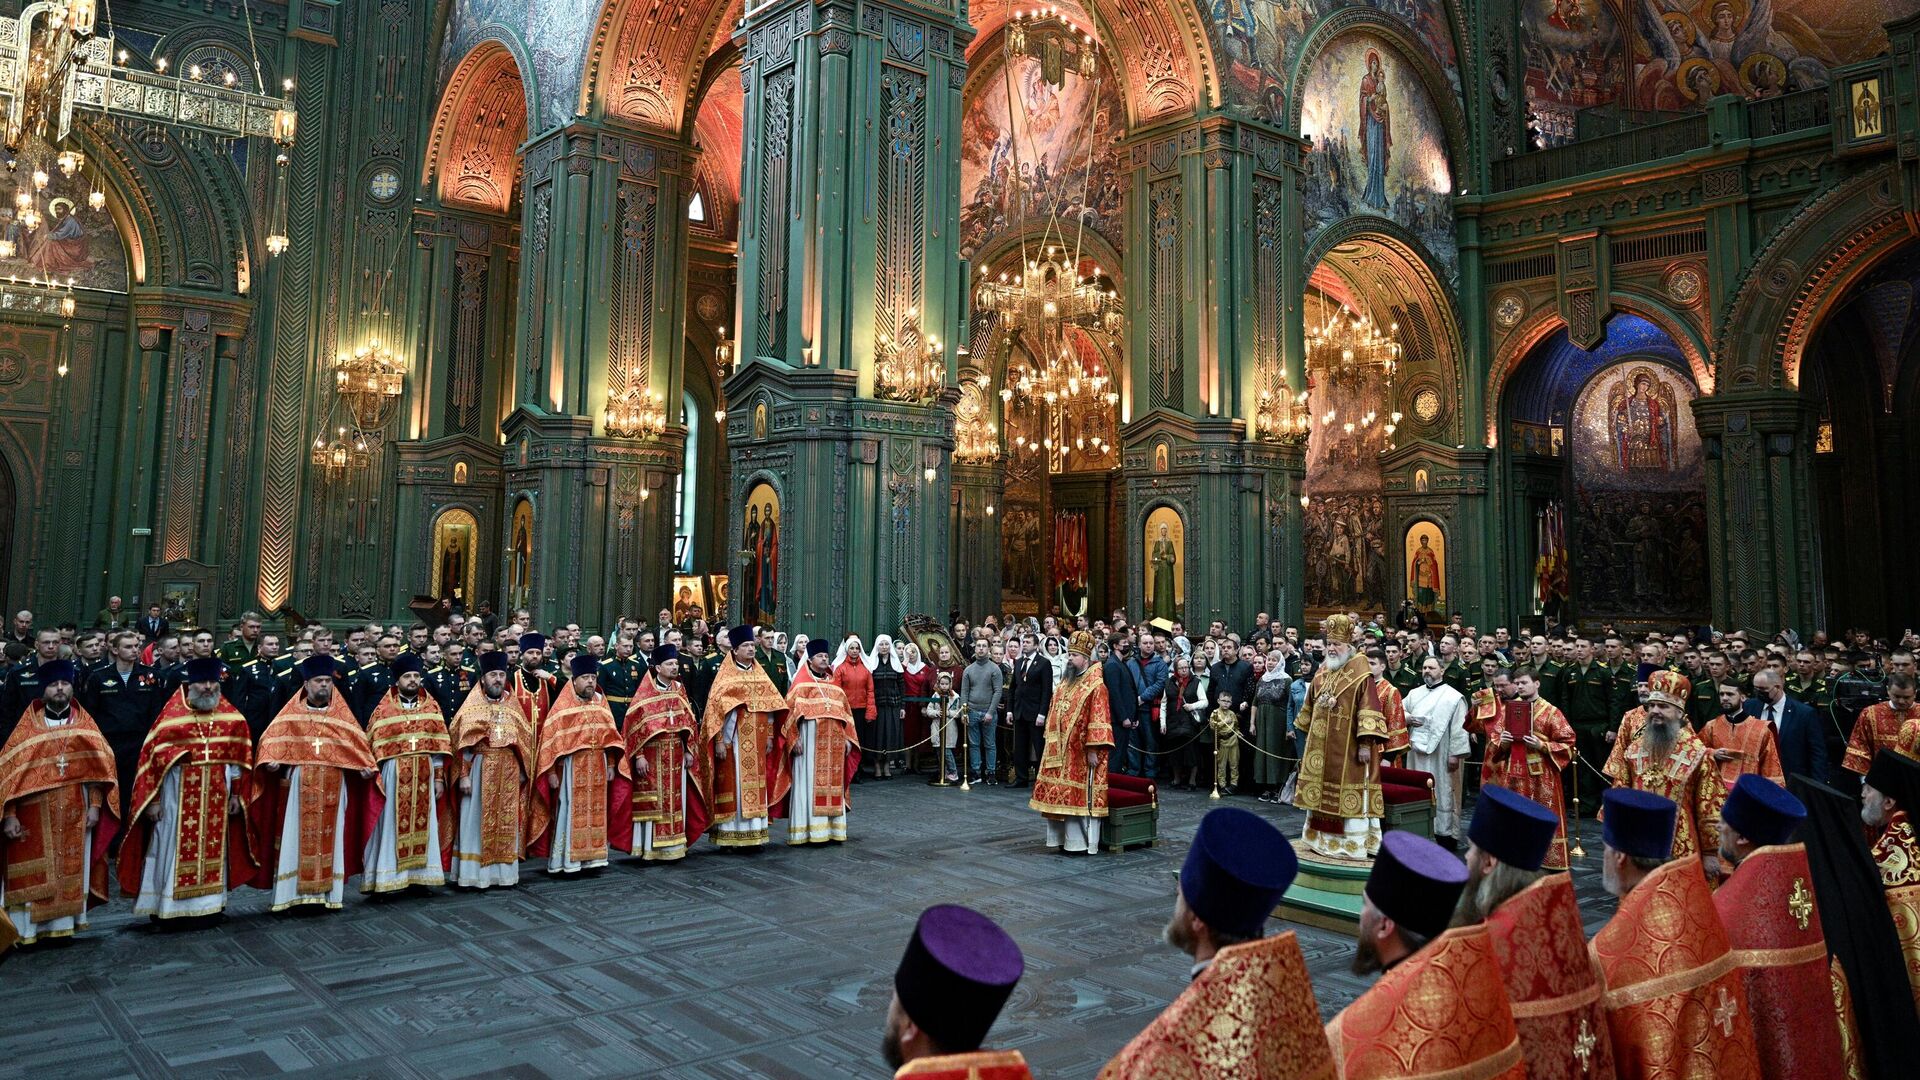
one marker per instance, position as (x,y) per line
(618,680)
(1455,675)
(366,687)
(21,690)
(258,691)
(1404,677)
(234,652)
(1587,700)
(449,687)
(1623,696)
(124,708)
(1703,704)
(1553,680)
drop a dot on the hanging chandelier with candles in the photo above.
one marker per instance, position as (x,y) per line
(909,366)
(1347,348)
(636,413)
(366,388)
(1068,406)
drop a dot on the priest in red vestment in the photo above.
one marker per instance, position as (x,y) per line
(669,799)
(412,843)
(59,809)
(1533,921)
(1527,747)
(1666,758)
(314,801)
(1890,799)
(582,792)
(1879,725)
(1071,788)
(1440,1008)
(188,839)
(1676,1000)
(533,685)
(494,749)
(1767,907)
(959,968)
(1249,1009)
(737,743)
(1392,705)
(1741,744)
(819,752)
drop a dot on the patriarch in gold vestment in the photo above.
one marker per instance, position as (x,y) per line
(669,803)
(1441,1008)
(494,749)
(1890,798)
(737,743)
(582,789)
(1773,923)
(1070,787)
(1249,1010)
(315,794)
(59,809)
(412,842)
(1666,758)
(818,753)
(189,839)
(1345,718)
(1676,1000)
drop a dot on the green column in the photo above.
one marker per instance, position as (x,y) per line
(848,249)
(1761,525)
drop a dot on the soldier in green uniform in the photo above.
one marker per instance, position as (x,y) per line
(241,648)
(619,678)
(1587,690)
(1549,667)
(1621,670)
(1454,670)
(1399,673)
(1808,683)
(771,661)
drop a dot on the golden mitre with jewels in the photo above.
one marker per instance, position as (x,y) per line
(1337,629)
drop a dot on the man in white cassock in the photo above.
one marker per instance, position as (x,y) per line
(1437,744)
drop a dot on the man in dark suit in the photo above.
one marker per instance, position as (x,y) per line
(1123,706)
(153,626)
(1028,694)
(1803,745)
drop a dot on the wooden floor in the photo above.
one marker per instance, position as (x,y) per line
(776,963)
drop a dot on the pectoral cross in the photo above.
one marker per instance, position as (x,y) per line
(318,743)
(1724,1011)
(61,764)
(413,744)
(1799,903)
(1583,1044)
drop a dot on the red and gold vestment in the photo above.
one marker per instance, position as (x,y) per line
(501,738)
(660,726)
(750,691)
(836,745)
(1877,728)
(1676,1000)
(1688,777)
(1251,1013)
(1077,721)
(1536,773)
(212,846)
(410,738)
(50,777)
(1772,922)
(583,730)
(1752,741)
(1897,853)
(1440,1012)
(1344,710)
(1553,987)
(979,1065)
(320,743)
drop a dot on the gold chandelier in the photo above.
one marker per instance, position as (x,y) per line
(1073,408)
(976,438)
(909,367)
(52,60)
(1346,348)
(638,413)
(366,387)
(1048,295)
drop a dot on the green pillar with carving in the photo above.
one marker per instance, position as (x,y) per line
(840,416)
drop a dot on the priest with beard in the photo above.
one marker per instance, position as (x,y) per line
(1533,918)
(534,685)
(59,809)
(413,838)
(1531,761)
(581,778)
(189,841)
(1071,790)
(819,735)
(1437,745)
(1773,922)
(493,750)
(958,970)
(736,737)
(1676,1000)
(1399,1026)
(1666,758)
(669,790)
(1248,1009)
(312,803)
(1890,799)
(1345,720)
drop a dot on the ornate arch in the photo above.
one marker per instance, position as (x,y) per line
(183,210)
(1433,80)
(646,60)
(473,152)
(1801,273)
(1159,49)
(1686,336)
(1413,267)
(1519,344)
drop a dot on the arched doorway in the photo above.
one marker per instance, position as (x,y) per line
(1862,379)
(1605,517)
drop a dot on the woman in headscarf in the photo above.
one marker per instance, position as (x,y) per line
(853,674)
(916,683)
(796,657)
(1056,655)
(1180,724)
(889,701)
(1272,701)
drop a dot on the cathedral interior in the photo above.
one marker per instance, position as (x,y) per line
(828,312)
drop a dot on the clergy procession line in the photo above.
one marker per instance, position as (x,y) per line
(1743,944)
